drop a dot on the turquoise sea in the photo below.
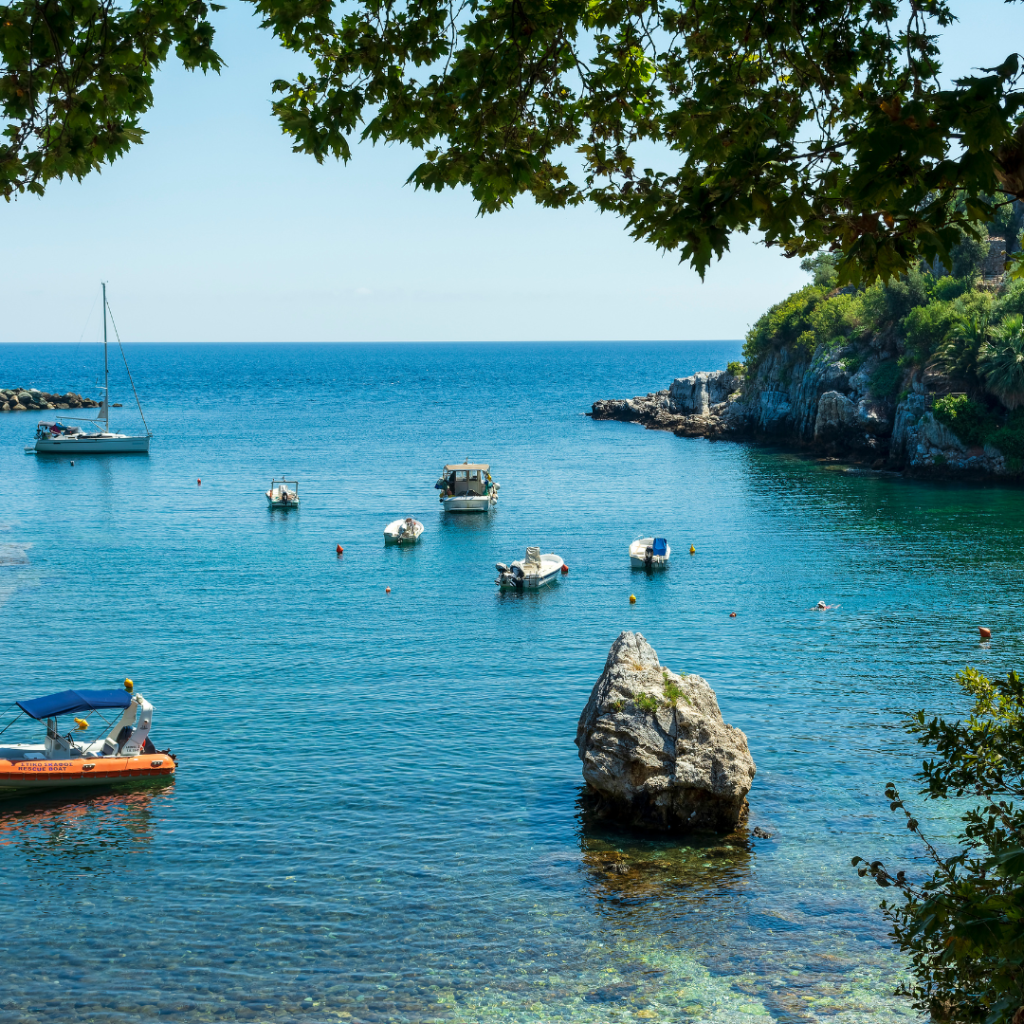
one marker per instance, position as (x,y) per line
(377,815)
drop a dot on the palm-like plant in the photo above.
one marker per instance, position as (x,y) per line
(1002,362)
(958,356)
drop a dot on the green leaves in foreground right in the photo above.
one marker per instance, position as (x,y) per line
(963,926)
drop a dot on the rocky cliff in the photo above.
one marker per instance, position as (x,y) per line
(819,404)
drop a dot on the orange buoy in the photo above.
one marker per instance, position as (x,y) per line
(565,569)
(632,598)
(732,615)
(986,634)
(199,483)
(387,590)
(340,549)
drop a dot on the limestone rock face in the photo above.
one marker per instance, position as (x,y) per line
(657,764)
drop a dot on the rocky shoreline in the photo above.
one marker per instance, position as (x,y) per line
(27,399)
(816,405)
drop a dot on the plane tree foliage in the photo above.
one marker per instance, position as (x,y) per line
(818,124)
(77,75)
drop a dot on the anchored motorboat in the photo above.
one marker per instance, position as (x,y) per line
(283,493)
(403,531)
(649,553)
(126,753)
(97,438)
(468,487)
(529,573)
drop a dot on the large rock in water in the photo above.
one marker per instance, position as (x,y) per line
(655,749)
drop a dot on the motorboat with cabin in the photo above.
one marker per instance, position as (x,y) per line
(403,531)
(97,438)
(283,493)
(467,487)
(529,573)
(125,753)
(649,553)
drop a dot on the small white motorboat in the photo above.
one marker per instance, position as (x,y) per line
(649,553)
(283,493)
(403,531)
(467,487)
(532,572)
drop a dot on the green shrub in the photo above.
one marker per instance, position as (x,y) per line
(646,702)
(822,267)
(961,923)
(945,289)
(851,364)
(783,324)
(971,421)
(736,368)
(959,355)
(1010,302)
(835,320)
(886,379)
(1002,362)
(969,254)
(926,328)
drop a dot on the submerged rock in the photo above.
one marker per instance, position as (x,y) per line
(655,750)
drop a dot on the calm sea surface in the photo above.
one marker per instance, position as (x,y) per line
(377,814)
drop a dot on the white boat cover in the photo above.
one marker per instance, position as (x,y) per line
(532,560)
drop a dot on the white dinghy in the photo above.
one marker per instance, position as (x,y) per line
(530,573)
(649,553)
(403,531)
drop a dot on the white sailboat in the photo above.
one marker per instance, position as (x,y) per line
(56,436)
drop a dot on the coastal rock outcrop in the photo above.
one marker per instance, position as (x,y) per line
(24,399)
(813,403)
(656,752)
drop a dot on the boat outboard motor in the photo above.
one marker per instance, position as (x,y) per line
(517,577)
(648,557)
(501,567)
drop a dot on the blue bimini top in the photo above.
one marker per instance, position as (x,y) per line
(660,546)
(70,701)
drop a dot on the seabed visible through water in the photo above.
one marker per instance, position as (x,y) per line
(377,815)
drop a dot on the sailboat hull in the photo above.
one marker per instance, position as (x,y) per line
(109,444)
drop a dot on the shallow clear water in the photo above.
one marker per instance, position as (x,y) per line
(377,814)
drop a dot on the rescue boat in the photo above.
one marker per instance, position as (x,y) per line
(124,754)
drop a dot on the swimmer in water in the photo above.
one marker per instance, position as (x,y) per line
(822,607)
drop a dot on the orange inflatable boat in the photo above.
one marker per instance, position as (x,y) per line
(124,754)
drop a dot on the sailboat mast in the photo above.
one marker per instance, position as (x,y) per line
(106,371)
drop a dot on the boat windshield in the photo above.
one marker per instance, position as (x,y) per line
(468,481)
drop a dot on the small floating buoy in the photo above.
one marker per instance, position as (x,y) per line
(693,550)
(632,598)
(199,483)
(340,549)
(81,724)
(986,634)
(129,685)
(732,615)
(387,590)
(72,462)
(565,570)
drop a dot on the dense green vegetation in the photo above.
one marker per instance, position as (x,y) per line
(967,338)
(963,925)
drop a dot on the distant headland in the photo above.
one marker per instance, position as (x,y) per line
(922,376)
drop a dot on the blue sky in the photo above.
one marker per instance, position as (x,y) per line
(213,230)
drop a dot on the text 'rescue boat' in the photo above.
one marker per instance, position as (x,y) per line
(124,754)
